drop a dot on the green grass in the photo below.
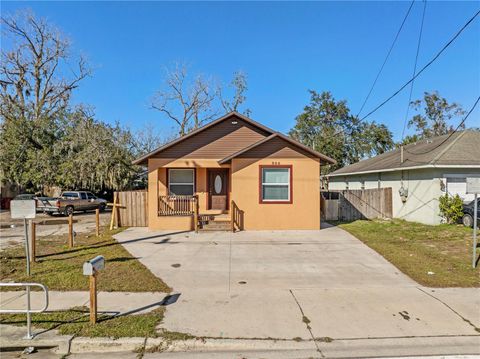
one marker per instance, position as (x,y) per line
(60,268)
(76,321)
(416,249)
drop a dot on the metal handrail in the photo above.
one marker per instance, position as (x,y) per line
(28,311)
(12,311)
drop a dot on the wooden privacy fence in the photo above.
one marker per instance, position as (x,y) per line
(132,208)
(350,205)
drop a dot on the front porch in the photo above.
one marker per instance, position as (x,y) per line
(196,198)
(185,211)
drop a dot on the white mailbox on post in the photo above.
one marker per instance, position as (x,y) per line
(93,265)
(91,268)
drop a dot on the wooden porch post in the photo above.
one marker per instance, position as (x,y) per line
(232,216)
(195,214)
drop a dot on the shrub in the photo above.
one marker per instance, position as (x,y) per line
(451,208)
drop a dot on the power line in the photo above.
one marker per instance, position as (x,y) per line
(386,57)
(424,67)
(414,68)
(419,72)
(451,134)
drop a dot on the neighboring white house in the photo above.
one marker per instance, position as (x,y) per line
(419,174)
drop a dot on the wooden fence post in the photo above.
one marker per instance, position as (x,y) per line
(33,236)
(97,221)
(70,231)
(93,298)
(114,209)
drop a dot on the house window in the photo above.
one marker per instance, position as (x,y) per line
(181,182)
(275,184)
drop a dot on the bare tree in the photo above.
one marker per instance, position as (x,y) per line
(36,75)
(188,103)
(147,139)
(239,86)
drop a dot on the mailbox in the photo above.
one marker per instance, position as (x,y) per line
(94,265)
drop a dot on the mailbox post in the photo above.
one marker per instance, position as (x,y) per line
(91,268)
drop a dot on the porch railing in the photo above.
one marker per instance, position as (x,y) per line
(177,205)
(236,220)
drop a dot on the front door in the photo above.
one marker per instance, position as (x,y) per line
(218,189)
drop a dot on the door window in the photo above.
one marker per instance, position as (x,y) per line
(218,184)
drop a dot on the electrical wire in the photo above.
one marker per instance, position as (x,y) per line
(414,68)
(419,72)
(451,134)
(386,57)
(424,67)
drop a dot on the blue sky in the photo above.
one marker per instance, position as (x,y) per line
(285,48)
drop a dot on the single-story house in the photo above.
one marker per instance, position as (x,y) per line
(418,173)
(236,168)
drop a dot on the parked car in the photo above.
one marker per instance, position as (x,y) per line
(71,201)
(28,196)
(468,214)
(25,196)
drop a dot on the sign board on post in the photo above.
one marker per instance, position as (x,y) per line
(25,209)
(22,209)
(473,187)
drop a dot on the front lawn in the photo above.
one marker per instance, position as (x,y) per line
(434,256)
(60,268)
(76,321)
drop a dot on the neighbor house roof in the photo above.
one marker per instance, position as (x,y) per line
(460,149)
(271,134)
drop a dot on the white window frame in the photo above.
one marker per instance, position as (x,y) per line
(276,184)
(181,183)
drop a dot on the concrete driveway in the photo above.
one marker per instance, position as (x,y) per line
(300,284)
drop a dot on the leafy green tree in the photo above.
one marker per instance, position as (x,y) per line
(327,126)
(436,118)
(94,155)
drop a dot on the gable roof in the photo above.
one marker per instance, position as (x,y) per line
(460,149)
(285,138)
(143,159)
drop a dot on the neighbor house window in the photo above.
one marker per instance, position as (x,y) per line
(181,182)
(275,184)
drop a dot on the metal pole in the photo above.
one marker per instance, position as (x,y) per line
(27,247)
(475,215)
(27,255)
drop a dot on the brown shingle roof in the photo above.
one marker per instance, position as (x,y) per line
(460,149)
(271,133)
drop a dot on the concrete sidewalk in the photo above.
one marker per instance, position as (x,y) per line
(112,302)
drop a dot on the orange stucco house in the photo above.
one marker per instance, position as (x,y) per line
(233,173)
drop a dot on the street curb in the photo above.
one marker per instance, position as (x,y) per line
(461,345)
(100,345)
(160,344)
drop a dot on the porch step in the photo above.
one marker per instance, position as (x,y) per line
(215,225)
